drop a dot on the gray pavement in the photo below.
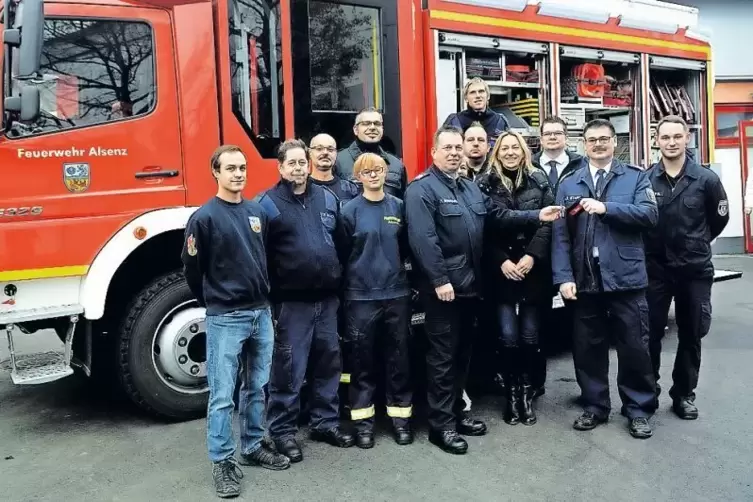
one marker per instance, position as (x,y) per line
(63,442)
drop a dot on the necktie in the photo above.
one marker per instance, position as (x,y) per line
(599,183)
(553,177)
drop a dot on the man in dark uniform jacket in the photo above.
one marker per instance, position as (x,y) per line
(693,211)
(476,94)
(305,277)
(446,215)
(557,162)
(369,131)
(323,151)
(598,260)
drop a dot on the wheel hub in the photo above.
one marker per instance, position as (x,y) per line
(180,349)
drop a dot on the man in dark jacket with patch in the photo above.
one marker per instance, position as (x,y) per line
(369,130)
(446,216)
(598,259)
(476,95)
(693,211)
(305,277)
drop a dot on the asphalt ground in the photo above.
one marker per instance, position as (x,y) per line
(65,441)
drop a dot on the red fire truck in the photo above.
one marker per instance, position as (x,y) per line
(112,109)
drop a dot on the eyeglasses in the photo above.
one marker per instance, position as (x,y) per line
(369,123)
(368,172)
(328,149)
(552,133)
(603,140)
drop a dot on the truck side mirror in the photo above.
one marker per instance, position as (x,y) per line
(26,105)
(28,38)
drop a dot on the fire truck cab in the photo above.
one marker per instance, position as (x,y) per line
(112,109)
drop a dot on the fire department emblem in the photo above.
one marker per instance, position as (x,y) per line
(191,245)
(255,223)
(76,177)
(723,207)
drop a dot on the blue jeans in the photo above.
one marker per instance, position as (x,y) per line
(519,328)
(237,340)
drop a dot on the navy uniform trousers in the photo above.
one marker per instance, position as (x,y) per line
(624,314)
(693,316)
(378,327)
(306,346)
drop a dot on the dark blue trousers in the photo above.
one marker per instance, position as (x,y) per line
(306,345)
(623,315)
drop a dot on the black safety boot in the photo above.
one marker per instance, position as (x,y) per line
(468,426)
(334,436)
(403,435)
(289,447)
(685,408)
(527,415)
(449,441)
(227,476)
(365,439)
(512,404)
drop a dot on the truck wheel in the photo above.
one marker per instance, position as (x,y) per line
(162,351)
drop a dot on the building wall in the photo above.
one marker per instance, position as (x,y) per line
(729,22)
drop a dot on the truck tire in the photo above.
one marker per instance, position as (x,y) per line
(162,351)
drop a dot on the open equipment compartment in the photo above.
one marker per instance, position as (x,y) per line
(677,87)
(516,72)
(597,83)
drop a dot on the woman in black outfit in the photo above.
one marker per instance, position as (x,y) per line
(519,269)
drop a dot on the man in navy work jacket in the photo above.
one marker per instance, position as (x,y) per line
(598,260)
(323,151)
(225,265)
(446,214)
(693,211)
(305,276)
(369,132)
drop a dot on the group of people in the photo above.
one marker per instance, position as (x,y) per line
(310,278)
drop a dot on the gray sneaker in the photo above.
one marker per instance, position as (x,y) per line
(265,457)
(227,476)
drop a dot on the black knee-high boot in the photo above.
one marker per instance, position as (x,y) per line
(527,390)
(512,388)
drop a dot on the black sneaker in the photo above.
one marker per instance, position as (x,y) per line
(639,428)
(227,476)
(265,457)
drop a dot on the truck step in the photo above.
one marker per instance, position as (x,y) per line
(38,368)
(37,314)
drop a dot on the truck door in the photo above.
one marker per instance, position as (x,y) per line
(746,164)
(106,146)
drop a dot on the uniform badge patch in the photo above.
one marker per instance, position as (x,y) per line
(255,223)
(651,195)
(191,245)
(723,208)
(76,177)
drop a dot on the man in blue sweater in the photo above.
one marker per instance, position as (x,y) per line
(226,269)
(305,275)
(373,247)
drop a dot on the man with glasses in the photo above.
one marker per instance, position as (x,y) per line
(446,215)
(305,276)
(369,131)
(322,153)
(598,261)
(557,162)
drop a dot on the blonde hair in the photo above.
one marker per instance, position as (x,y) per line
(367,161)
(525,166)
(474,81)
